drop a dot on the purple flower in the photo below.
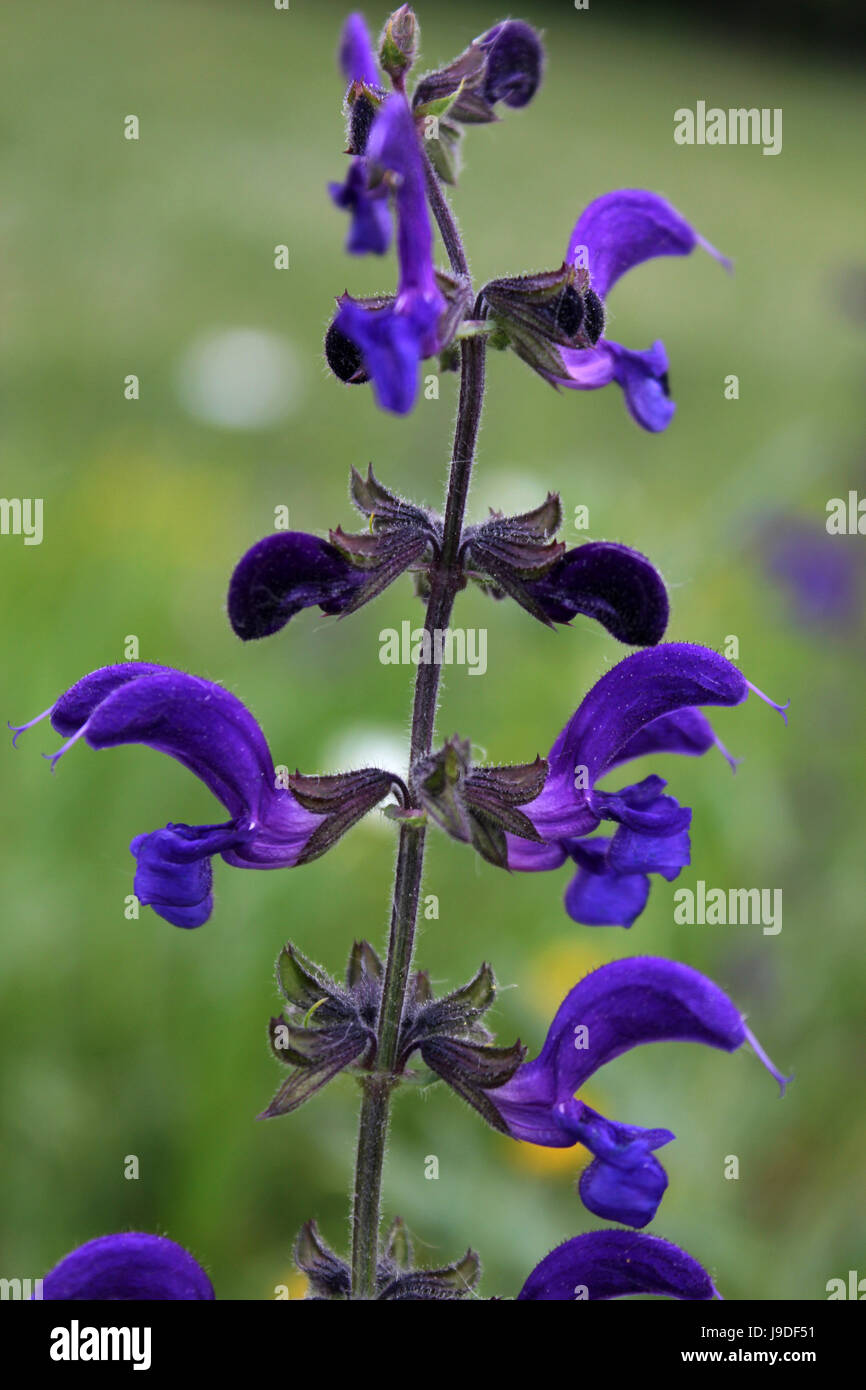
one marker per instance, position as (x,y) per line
(641,999)
(282,574)
(514,63)
(357,59)
(612,583)
(613,1264)
(207,729)
(615,233)
(133,1266)
(364,193)
(370,225)
(393,336)
(645,704)
(820,574)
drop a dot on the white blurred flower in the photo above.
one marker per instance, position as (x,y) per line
(369,745)
(240,378)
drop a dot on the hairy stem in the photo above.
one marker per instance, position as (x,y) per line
(444,218)
(445,582)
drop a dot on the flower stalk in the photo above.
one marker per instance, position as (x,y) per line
(446,581)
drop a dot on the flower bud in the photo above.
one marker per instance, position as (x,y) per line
(399,43)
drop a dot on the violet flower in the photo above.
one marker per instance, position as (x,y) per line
(622,1005)
(819,573)
(612,583)
(212,733)
(615,233)
(643,705)
(133,1266)
(514,63)
(363,193)
(283,573)
(393,336)
(613,1264)
(357,59)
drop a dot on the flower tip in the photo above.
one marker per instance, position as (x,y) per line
(762,1057)
(53,757)
(723,261)
(18,729)
(733,762)
(781,709)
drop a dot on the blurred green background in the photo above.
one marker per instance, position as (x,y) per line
(130,1037)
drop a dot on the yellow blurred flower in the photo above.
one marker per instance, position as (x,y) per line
(557,969)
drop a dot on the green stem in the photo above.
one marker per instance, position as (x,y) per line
(445,582)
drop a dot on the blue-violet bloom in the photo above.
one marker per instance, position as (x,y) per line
(364,192)
(393,336)
(212,733)
(615,233)
(614,1264)
(645,704)
(640,999)
(132,1266)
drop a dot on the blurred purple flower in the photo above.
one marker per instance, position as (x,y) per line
(357,59)
(393,336)
(821,574)
(363,193)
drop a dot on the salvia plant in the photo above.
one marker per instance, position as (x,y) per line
(382,1019)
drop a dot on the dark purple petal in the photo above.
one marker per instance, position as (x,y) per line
(393,145)
(613,1264)
(200,724)
(611,583)
(643,377)
(620,230)
(514,63)
(173,871)
(643,808)
(532,856)
(638,690)
(596,897)
(370,225)
(357,59)
(624,1182)
(76,705)
(284,573)
(611,886)
(392,345)
(635,852)
(128,1267)
(686,731)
